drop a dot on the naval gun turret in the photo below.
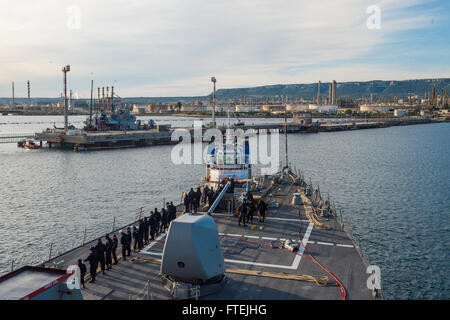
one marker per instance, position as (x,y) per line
(192,263)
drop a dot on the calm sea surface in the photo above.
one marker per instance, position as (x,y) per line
(392,184)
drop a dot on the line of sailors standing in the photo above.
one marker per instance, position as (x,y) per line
(193,199)
(146,231)
(247,209)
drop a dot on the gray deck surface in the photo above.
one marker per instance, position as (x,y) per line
(251,249)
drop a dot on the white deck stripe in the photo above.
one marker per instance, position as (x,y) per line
(253,237)
(260,264)
(286,219)
(233,235)
(298,257)
(267,218)
(295,263)
(344,245)
(159,254)
(325,243)
(148,247)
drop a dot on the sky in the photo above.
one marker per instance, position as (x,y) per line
(174,47)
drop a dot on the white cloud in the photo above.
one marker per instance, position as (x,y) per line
(172,47)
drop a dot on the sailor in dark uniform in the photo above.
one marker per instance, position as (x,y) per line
(164,220)
(205,195)
(124,243)
(114,248)
(93,264)
(146,226)
(141,234)
(130,239)
(172,212)
(157,221)
(262,209)
(108,253)
(197,198)
(152,223)
(191,196)
(251,212)
(83,271)
(100,249)
(249,195)
(210,197)
(186,202)
(243,213)
(135,238)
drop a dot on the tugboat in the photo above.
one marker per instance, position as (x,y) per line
(120,119)
(229,160)
(28,144)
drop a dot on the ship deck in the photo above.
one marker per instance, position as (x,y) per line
(246,250)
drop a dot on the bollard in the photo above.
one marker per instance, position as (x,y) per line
(12,265)
(114,224)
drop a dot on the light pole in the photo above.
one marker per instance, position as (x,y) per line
(213,80)
(285,136)
(65,70)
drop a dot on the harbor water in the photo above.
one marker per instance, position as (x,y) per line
(392,185)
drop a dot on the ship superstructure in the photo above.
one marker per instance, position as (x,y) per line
(230,159)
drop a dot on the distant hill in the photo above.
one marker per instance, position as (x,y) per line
(380,89)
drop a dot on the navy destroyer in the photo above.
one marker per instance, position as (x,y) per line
(299,250)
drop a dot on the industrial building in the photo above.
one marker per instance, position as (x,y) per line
(246,108)
(374,108)
(327,108)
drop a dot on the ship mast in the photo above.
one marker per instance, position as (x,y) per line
(213,124)
(90,105)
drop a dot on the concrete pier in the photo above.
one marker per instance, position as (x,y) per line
(79,140)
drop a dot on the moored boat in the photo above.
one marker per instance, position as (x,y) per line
(28,144)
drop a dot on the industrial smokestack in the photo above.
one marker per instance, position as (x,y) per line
(107,98)
(112,98)
(446,98)
(334,101)
(330,93)
(13,98)
(318,94)
(29,93)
